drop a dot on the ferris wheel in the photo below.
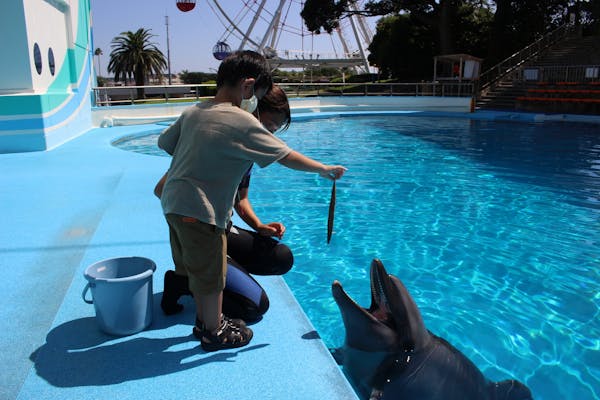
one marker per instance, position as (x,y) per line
(275,29)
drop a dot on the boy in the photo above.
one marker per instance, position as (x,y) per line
(255,251)
(213,144)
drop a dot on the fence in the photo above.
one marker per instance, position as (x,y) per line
(488,78)
(121,95)
(570,74)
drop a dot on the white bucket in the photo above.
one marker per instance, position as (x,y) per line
(121,293)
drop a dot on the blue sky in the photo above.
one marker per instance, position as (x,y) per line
(192,35)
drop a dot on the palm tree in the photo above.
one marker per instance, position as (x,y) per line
(133,54)
(98,52)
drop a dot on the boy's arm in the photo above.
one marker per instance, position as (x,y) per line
(169,137)
(300,162)
(159,185)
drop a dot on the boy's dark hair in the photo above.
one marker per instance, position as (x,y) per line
(242,65)
(276,102)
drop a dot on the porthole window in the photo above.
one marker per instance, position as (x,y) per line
(51,64)
(37,58)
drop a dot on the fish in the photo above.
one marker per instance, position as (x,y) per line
(331,213)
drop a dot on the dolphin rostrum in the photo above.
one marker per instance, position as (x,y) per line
(389,353)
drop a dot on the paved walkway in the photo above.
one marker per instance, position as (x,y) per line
(86,201)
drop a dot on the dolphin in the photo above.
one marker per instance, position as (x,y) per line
(389,353)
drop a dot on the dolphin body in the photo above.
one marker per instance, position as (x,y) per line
(389,354)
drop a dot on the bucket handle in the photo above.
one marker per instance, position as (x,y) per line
(85,290)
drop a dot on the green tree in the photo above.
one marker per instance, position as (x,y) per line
(402,49)
(518,23)
(133,54)
(324,14)
(472,28)
(191,78)
(590,15)
(98,52)
(438,15)
(490,29)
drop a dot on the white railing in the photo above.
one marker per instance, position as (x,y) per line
(121,95)
(569,74)
(313,55)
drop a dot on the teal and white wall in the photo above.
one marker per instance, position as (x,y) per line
(46,73)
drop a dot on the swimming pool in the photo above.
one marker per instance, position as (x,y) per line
(492,226)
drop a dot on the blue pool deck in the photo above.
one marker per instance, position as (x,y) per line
(86,201)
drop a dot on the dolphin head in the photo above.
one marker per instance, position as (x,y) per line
(392,323)
(389,353)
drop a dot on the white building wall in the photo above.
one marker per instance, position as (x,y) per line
(39,17)
(15,76)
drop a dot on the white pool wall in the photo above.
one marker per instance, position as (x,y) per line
(140,114)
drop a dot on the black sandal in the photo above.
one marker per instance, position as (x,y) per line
(235,321)
(227,336)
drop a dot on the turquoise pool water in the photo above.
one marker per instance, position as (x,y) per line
(492,226)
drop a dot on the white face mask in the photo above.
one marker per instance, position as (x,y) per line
(250,104)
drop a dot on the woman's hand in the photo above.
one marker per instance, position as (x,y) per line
(276,229)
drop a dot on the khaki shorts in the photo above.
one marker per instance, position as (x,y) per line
(200,252)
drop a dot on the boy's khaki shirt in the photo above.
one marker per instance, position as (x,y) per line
(213,145)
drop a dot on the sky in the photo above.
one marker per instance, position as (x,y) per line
(193,34)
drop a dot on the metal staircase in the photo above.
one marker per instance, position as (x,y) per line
(496,86)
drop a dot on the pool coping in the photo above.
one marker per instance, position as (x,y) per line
(302,109)
(489,115)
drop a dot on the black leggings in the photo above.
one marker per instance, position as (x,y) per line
(243,297)
(259,255)
(250,252)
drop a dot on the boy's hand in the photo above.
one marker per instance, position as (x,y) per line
(333,172)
